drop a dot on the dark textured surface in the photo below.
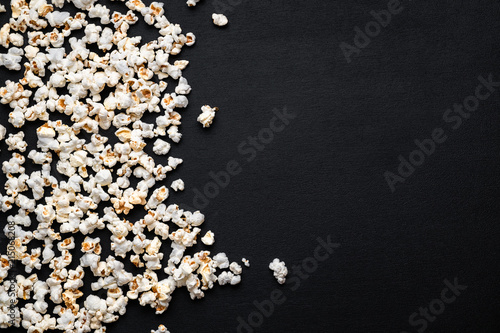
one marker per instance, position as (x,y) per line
(324,173)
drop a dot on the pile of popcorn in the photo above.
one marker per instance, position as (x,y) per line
(91,169)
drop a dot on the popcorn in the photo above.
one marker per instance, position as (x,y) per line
(3,131)
(207,115)
(4,35)
(279,270)
(219,19)
(192,3)
(246,262)
(158,196)
(190,40)
(57,18)
(209,238)
(161,147)
(100,11)
(177,185)
(221,260)
(81,182)
(228,278)
(11,60)
(104,177)
(183,87)
(16,142)
(16,39)
(235,268)
(161,328)
(174,162)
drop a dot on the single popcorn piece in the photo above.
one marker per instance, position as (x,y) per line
(221,260)
(161,147)
(12,59)
(219,19)
(279,270)
(209,238)
(207,115)
(2,9)
(192,3)
(161,329)
(235,268)
(246,262)
(16,142)
(177,185)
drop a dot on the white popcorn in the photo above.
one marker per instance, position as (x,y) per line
(57,18)
(194,219)
(100,11)
(161,329)
(11,60)
(177,185)
(4,35)
(2,9)
(31,52)
(92,32)
(192,3)
(279,270)
(209,238)
(221,260)
(3,131)
(16,142)
(181,64)
(161,147)
(190,40)
(235,268)
(159,195)
(83,4)
(104,177)
(207,115)
(183,87)
(228,278)
(16,39)
(174,162)
(246,262)
(219,19)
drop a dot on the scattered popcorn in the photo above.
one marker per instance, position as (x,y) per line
(207,115)
(92,170)
(177,185)
(219,19)
(279,270)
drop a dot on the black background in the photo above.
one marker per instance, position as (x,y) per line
(323,175)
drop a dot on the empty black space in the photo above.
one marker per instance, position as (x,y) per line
(323,174)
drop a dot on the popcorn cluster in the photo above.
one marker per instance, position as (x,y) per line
(84,182)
